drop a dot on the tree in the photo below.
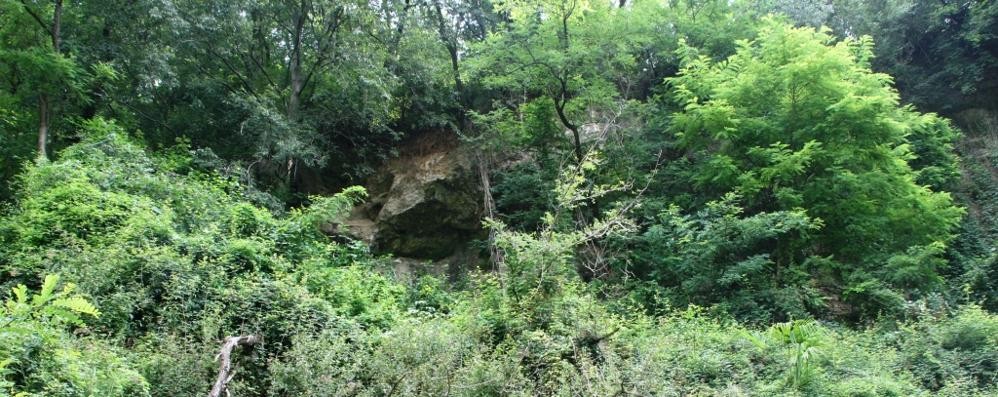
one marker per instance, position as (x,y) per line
(41,68)
(277,87)
(795,121)
(459,25)
(53,29)
(569,53)
(267,56)
(940,52)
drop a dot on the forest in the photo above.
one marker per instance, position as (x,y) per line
(498,198)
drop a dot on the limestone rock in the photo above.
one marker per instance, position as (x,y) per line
(424,204)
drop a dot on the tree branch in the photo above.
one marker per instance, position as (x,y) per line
(38,19)
(225,358)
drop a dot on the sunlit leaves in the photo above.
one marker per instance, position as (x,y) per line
(795,120)
(48,305)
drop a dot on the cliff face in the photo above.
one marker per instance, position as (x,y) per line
(424,204)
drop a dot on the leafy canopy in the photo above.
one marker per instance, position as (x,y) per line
(795,121)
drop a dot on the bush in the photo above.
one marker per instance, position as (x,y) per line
(185,255)
(176,262)
(719,256)
(947,352)
(41,358)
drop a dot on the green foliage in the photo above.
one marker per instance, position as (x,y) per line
(950,354)
(935,161)
(184,254)
(42,358)
(719,256)
(354,292)
(191,261)
(803,338)
(975,256)
(793,121)
(646,236)
(523,194)
(48,305)
(558,62)
(940,52)
(683,353)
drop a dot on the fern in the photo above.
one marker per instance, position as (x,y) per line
(804,337)
(48,288)
(48,304)
(77,304)
(69,309)
(334,208)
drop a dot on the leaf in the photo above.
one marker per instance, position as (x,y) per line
(48,287)
(754,339)
(21,292)
(77,304)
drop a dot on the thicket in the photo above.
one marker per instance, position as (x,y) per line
(174,258)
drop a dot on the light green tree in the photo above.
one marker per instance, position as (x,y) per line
(570,55)
(795,120)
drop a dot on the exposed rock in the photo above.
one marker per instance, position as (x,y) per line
(424,204)
(359,225)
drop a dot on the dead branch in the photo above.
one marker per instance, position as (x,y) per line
(225,359)
(496,255)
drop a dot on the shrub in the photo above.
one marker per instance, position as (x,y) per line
(40,357)
(951,351)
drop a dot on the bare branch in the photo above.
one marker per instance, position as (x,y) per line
(225,359)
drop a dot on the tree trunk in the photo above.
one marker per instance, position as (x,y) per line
(579,156)
(57,27)
(559,107)
(496,256)
(44,105)
(43,124)
(450,42)
(294,67)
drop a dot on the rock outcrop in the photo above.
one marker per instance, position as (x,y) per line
(424,204)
